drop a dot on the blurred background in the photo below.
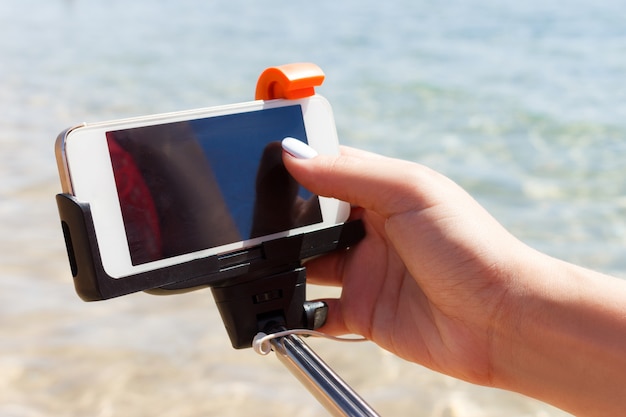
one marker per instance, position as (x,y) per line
(522,103)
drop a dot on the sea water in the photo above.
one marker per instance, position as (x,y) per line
(522,103)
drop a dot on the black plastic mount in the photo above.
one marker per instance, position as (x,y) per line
(276,301)
(253,288)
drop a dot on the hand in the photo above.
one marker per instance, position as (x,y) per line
(429,280)
(439,282)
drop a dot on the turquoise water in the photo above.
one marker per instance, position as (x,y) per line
(523,103)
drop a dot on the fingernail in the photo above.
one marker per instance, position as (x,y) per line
(298,148)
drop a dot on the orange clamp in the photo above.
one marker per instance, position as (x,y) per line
(289,81)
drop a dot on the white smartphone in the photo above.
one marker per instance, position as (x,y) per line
(170,188)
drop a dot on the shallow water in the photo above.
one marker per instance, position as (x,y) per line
(523,104)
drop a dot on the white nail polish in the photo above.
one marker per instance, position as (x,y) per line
(298,148)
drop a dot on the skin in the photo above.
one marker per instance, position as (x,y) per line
(438,281)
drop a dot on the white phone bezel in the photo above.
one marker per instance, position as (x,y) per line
(87,173)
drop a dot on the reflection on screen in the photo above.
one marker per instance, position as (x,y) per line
(189,186)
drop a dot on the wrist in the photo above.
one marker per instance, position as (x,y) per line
(563,337)
(522,304)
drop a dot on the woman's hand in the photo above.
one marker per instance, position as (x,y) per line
(429,281)
(438,281)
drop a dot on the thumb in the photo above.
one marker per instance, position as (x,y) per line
(384,185)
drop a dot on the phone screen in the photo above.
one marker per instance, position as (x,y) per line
(193,185)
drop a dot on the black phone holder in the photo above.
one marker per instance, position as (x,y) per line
(254,288)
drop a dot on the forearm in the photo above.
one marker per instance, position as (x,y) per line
(567,340)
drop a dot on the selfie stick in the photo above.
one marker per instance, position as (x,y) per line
(259,289)
(327,387)
(294,81)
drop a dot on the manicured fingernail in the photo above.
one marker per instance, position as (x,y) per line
(298,148)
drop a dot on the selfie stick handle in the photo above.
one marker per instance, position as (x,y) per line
(327,387)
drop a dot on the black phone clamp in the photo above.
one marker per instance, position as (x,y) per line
(258,289)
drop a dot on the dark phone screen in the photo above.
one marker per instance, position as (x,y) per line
(193,185)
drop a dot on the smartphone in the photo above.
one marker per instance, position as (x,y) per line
(172,188)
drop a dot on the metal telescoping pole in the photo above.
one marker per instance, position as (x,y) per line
(327,387)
